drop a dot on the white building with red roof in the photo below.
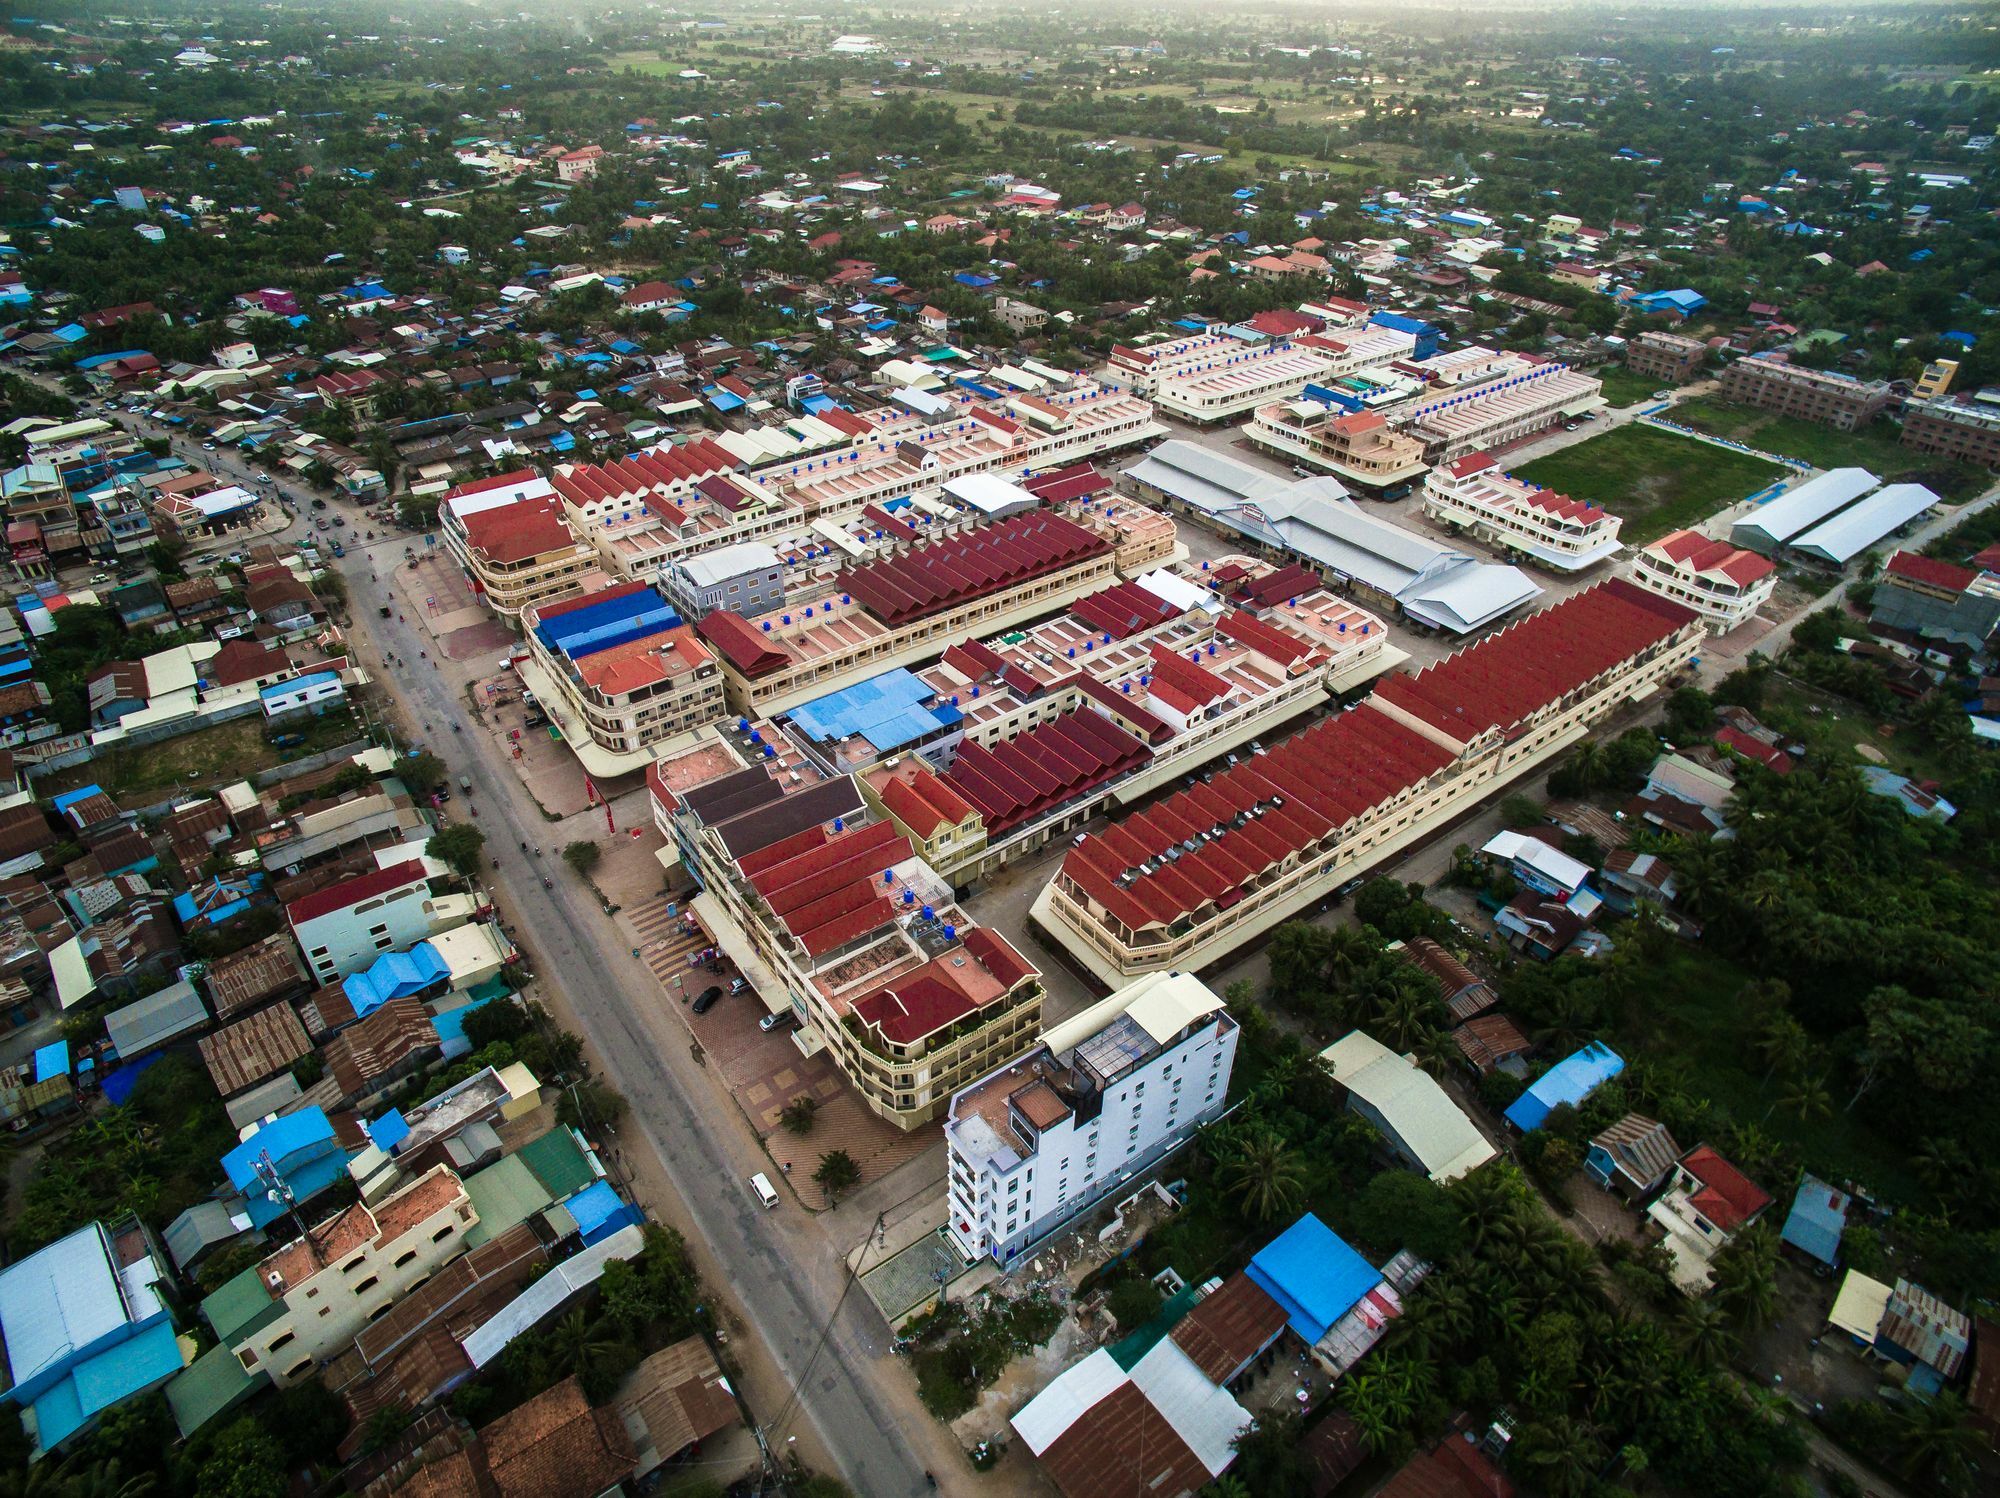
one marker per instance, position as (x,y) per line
(346,926)
(1707,1202)
(1724,584)
(1475,495)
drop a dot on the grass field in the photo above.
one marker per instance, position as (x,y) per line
(1623,388)
(1657,481)
(1876,448)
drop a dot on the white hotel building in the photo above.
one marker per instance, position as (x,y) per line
(1103,1098)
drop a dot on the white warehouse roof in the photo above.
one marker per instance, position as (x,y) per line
(1859,527)
(1794,512)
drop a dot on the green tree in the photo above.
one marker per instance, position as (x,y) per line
(1937,1442)
(423,772)
(1266,1176)
(243,1462)
(1133,1302)
(797,1116)
(837,1171)
(459,847)
(583,855)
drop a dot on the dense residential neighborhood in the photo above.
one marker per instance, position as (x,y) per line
(1117,753)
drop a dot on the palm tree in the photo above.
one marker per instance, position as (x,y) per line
(1266,1176)
(1565,1451)
(1702,1334)
(1746,1277)
(575,1342)
(1782,1042)
(797,1115)
(1229,1485)
(1807,1098)
(1938,1442)
(1375,1407)
(837,1171)
(1411,1015)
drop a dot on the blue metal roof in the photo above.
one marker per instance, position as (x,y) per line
(888,711)
(52,1060)
(1312,1273)
(112,1377)
(1570,1080)
(1818,1218)
(395,975)
(600,626)
(287,1135)
(388,1131)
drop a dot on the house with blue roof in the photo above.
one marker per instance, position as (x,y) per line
(1817,1219)
(894,712)
(84,1328)
(1313,1275)
(1684,302)
(396,975)
(300,1149)
(1570,1080)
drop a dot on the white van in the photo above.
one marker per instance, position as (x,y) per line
(761,1184)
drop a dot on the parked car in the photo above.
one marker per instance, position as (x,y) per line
(783,1018)
(708,998)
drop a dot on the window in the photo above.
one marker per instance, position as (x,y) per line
(299,1369)
(281,1341)
(354,1263)
(442,1233)
(404,1257)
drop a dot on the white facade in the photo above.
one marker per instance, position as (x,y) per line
(1034,1144)
(347,940)
(1560,533)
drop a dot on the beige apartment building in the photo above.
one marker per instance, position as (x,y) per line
(1666,357)
(1360,448)
(904,608)
(519,555)
(1476,496)
(305,1303)
(836,920)
(1836,400)
(619,674)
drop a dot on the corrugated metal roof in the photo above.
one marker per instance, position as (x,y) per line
(155,1020)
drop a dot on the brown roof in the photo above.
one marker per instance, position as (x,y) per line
(1488,1039)
(678,1396)
(505,1263)
(1465,992)
(556,1444)
(252,1049)
(326,1011)
(1122,1447)
(24,830)
(1451,1469)
(263,970)
(1229,1327)
(374,1046)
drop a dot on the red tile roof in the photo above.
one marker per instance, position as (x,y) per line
(828,895)
(1704,554)
(971,565)
(1254,815)
(1919,568)
(741,644)
(1060,485)
(923,801)
(1267,640)
(1728,1198)
(352,891)
(518,532)
(1768,755)
(1509,676)
(998,957)
(1020,779)
(1123,609)
(1470,464)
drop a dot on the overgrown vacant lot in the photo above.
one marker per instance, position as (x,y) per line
(1658,481)
(1877,447)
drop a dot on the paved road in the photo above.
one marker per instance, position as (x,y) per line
(787,1282)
